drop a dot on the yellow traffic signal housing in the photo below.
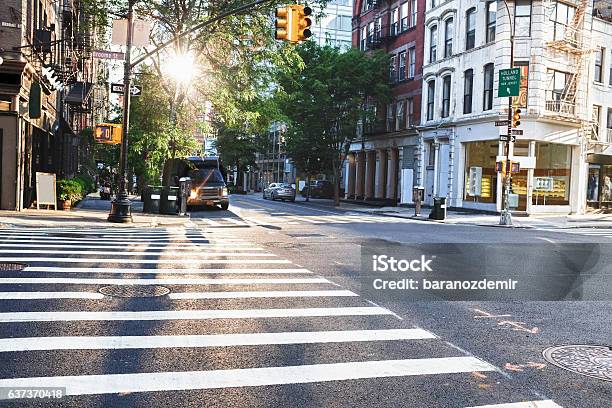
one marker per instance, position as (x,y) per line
(516,118)
(108,133)
(283,23)
(301,23)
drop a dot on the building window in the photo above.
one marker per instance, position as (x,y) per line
(553,161)
(411,62)
(596,120)
(561,16)
(410,111)
(402,65)
(470,27)
(448,38)
(522,18)
(488,87)
(557,82)
(433,41)
(610,73)
(413,13)
(468,90)
(404,16)
(390,117)
(480,174)
(599,65)
(609,126)
(431,95)
(434,3)
(394,21)
(446,96)
(400,117)
(364,38)
(393,69)
(491,20)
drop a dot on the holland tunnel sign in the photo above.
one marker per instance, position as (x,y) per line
(509,82)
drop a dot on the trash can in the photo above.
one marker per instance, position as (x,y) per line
(168,203)
(438,212)
(151,198)
(184,193)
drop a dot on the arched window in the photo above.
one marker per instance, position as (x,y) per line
(446,96)
(468,90)
(448,37)
(488,87)
(431,97)
(470,29)
(433,43)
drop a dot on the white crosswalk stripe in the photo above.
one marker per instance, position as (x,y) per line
(213,278)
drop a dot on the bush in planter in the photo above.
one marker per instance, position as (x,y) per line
(69,190)
(87,183)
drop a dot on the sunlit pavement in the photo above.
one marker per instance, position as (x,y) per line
(261,305)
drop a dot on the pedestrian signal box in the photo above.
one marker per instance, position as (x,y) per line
(108,133)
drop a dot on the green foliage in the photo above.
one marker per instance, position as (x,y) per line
(86,182)
(69,190)
(324,99)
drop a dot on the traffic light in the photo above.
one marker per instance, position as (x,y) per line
(516,118)
(283,23)
(108,133)
(301,22)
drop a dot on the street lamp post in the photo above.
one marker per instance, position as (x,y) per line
(506,216)
(121,207)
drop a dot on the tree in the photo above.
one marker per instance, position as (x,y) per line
(324,100)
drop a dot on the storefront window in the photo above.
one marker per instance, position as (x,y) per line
(552,174)
(480,174)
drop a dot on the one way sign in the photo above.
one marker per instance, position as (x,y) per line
(135,90)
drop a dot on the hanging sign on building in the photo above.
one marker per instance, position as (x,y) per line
(140,33)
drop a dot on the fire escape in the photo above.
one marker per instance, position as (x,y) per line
(571,103)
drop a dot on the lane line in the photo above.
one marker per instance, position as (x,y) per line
(162,281)
(214,340)
(161,248)
(132,253)
(49,295)
(235,221)
(145,261)
(186,271)
(525,404)
(250,377)
(162,241)
(12,317)
(261,294)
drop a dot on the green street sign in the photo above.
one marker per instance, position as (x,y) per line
(509,82)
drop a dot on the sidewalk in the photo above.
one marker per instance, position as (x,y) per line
(91,212)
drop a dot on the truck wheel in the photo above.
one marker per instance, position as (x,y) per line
(224,206)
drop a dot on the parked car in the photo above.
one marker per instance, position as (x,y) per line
(319,189)
(281,191)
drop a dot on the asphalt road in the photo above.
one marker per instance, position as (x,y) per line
(295,330)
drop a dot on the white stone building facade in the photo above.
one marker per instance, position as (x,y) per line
(565,142)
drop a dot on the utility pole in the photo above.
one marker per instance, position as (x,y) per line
(506,216)
(121,208)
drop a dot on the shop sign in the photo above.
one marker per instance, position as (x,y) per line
(543,183)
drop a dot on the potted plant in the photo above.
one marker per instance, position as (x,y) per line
(69,191)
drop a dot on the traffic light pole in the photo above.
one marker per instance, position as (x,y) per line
(506,217)
(121,207)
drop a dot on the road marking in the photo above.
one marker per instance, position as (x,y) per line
(182,248)
(172,246)
(215,340)
(261,294)
(101,235)
(199,241)
(146,261)
(11,317)
(186,271)
(209,222)
(133,253)
(235,221)
(162,281)
(49,295)
(525,404)
(250,377)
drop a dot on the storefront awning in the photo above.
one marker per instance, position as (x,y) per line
(599,158)
(79,93)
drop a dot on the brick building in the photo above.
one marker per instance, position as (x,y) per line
(382,161)
(45,49)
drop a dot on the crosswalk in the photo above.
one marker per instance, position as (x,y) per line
(264,219)
(236,317)
(605,233)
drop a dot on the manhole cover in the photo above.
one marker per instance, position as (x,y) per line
(134,291)
(592,361)
(11,266)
